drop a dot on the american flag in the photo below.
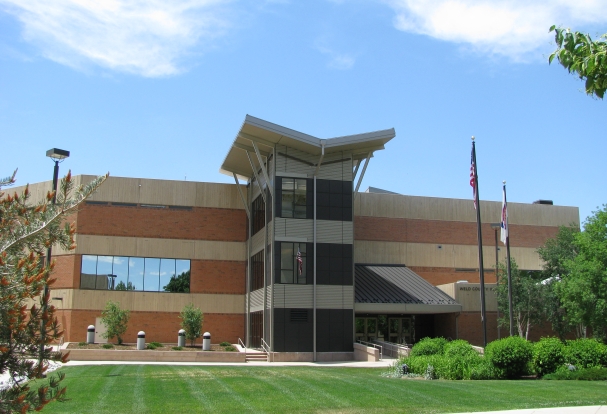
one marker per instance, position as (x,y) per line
(299,262)
(472,178)
(504,233)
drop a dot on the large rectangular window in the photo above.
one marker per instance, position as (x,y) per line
(293,197)
(293,263)
(135,274)
(258,209)
(257,267)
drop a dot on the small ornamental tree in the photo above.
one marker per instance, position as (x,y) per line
(115,320)
(191,321)
(27,230)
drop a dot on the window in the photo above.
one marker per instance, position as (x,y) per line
(257,268)
(293,270)
(294,197)
(134,273)
(258,209)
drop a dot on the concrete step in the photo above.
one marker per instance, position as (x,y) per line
(256,356)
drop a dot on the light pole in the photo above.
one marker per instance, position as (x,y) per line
(496,227)
(57,155)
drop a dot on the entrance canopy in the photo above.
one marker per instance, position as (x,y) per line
(265,135)
(396,289)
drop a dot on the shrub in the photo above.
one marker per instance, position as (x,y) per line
(107,346)
(459,347)
(156,344)
(191,321)
(115,321)
(151,346)
(230,348)
(82,343)
(548,355)
(451,368)
(510,356)
(177,348)
(586,353)
(586,374)
(225,343)
(483,370)
(429,346)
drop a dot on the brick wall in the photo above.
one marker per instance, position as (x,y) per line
(158,326)
(216,276)
(67,271)
(443,275)
(444,232)
(200,223)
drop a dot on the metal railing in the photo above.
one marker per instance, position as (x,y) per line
(370,344)
(242,345)
(266,348)
(392,349)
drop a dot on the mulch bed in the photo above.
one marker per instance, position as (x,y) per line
(132,347)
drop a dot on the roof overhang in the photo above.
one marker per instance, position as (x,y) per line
(265,135)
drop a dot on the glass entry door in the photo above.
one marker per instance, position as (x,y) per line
(366,329)
(400,330)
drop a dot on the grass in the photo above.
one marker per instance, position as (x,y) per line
(182,389)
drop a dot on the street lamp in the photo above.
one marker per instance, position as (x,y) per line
(56,155)
(496,227)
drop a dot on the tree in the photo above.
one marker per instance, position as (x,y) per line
(115,320)
(526,298)
(587,58)
(583,292)
(555,254)
(26,231)
(179,283)
(122,286)
(191,321)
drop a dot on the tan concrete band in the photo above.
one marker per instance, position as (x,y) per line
(148,247)
(451,209)
(430,255)
(146,301)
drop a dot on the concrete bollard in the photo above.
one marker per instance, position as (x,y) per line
(181,338)
(90,334)
(140,340)
(206,341)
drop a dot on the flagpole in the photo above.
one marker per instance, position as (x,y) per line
(509,269)
(480,246)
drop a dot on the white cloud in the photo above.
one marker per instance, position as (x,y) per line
(145,37)
(339,61)
(512,28)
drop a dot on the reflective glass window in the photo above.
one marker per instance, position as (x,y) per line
(151,281)
(121,273)
(136,273)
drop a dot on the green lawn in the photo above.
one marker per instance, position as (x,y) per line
(189,389)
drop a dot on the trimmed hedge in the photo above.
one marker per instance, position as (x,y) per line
(587,374)
(548,355)
(510,356)
(429,346)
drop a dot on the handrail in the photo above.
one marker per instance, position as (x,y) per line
(393,349)
(373,345)
(242,345)
(266,347)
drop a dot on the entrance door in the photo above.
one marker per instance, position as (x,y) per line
(399,330)
(99,330)
(366,329)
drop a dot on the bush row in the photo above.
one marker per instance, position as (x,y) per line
(506,358)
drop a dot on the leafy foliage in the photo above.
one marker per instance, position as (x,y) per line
(115,320)
(122,286)
(527,303)
(27,230)
(191,321)
(587,374)
(459,347)
(179,283)
(429,346)
(510,356)
(587,58)
(548,355)
(586,353)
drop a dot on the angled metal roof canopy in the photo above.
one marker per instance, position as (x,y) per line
(264,135)
(398,289)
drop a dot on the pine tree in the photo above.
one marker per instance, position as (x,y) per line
(26,232)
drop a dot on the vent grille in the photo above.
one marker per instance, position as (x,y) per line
(299,315)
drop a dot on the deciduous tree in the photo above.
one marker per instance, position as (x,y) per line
(191,321)
(116,321)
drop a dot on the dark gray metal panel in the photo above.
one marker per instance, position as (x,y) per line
(396,284)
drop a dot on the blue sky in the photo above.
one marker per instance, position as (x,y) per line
(158,89)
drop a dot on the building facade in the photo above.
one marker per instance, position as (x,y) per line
(292,256)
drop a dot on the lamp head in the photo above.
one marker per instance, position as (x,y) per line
(57,154)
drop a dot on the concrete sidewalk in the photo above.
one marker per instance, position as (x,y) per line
(593,409)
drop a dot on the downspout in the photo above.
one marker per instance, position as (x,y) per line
(322,155)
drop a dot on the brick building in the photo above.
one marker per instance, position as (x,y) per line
(295,256)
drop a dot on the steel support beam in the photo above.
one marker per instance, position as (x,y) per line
(263,194)
(244,201)
(362,174)
(263,168)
